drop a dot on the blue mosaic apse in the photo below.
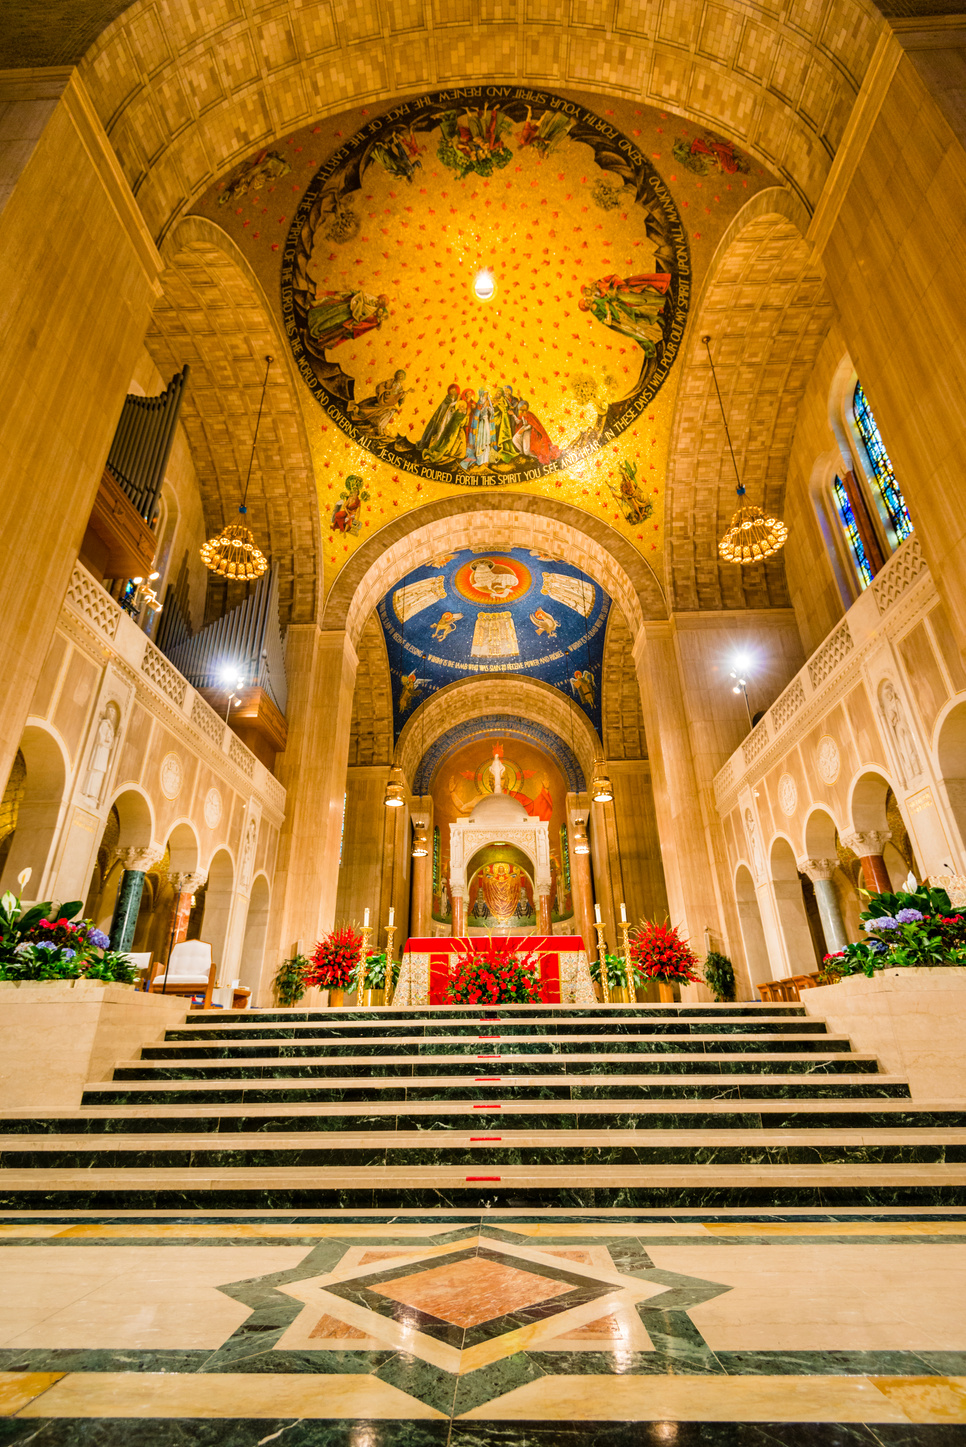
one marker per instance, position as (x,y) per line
(470,612)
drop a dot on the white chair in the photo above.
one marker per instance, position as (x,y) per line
(141,963)
(190,971)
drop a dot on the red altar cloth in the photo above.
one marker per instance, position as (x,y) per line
(548,948)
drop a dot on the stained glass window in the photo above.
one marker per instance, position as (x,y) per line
(851,530)
(883,473)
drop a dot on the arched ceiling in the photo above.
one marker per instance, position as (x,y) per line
(188,91)
(623,718)
(766,312)
(213,316)
(370,734)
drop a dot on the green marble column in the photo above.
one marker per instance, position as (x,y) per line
(126,909)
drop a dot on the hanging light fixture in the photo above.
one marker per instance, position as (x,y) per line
(600,786)
(581,842)
(752,536)
(233,553)
(395,796)
(420,845)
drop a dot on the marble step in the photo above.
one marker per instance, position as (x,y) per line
(486,1047)
(837,1057)
(379,1028)
(424,1013)
(399,1187)
(486,1149)
(570,1087)
(393,1116)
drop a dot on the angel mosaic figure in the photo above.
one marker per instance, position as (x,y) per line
(342,316)
(633,504)
(474,141)
(582,687)
(631,305)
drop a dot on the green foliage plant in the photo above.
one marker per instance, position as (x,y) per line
(719,976)
(49,942)
(289,982)
(614,972)
(376,973)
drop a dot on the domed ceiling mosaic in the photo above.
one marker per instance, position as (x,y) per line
(471,612)
(486,287)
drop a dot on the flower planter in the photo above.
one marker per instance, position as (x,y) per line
(336,998)
(620,995)
(373,997)
(668,994)
(57,1035)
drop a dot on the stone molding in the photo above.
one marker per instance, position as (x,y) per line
(867,843)
(187,883)
(817,869)
(141,857)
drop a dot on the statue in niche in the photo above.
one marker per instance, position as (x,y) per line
(752,831)
(894,718)
(105,737)
(497,769)
(248,854)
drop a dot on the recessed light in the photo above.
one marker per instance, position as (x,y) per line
(484,287)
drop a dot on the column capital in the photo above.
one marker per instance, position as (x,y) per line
(817,869)
(187,883)
(141,857)
(867,842)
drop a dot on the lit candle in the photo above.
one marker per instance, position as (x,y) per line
(365,920)
(623,915)
(392,915)
(597,913)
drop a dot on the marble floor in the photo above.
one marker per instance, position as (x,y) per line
(484,1329)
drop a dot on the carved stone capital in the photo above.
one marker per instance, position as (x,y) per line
(817,869)
(187,883)
(871,841)
(141,857)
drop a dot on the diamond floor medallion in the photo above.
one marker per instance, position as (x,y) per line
(470,1292)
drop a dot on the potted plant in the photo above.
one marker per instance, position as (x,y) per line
(333,962)
(376,980)
(719,976)
(610,980)
(490,975)
(289,982)
(917,927)
(659,953)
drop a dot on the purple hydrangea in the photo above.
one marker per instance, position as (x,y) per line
(908,916)
(877,947)
(887,922)
(45,945)
(70,954)
(98,938)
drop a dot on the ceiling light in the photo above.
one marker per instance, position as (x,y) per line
(395,795)
(233,554)
(484,286)
(600,787)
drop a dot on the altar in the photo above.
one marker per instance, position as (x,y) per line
(564,971)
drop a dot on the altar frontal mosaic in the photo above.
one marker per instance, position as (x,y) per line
(486,285)
(472,612)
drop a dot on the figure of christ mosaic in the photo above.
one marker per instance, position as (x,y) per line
(587,307)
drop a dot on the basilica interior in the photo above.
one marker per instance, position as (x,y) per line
(508,505)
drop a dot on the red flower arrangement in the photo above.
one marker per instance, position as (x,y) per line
(490,975)
(334,959)
(659,953)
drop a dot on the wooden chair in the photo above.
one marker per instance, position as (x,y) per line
(190,971)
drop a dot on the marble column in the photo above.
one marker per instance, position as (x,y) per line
(583,892)
(186,886)
(820,872)
(458,906)
(544,926)
(421,882)
(136,863)
(868,845)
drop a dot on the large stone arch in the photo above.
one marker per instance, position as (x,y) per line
(620,696)
(766,311)
(370,734)
(187,96)
(214,315)
(506,693)
(494,520)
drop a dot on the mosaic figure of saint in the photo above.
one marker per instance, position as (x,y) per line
(409,690)
(266,166)
(474,141)
(479,432)
(633,504)
(379,411)
(346,513)
(445,625)
(447,416)
(399,154)
(342,316)
(706,154)
(582,687)
(449,446)
(530,437)
(544,622)
(631,305)
(545,134)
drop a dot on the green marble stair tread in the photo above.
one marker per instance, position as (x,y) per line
(523,1029)
(545,1045)
(424,1013)
(830,1045)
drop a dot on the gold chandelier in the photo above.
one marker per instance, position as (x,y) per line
(233,553)
(753,535)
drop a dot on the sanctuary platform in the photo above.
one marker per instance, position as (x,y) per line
(428,962)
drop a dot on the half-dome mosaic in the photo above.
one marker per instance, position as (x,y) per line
(486,285)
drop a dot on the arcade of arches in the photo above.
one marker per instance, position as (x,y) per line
(484,316)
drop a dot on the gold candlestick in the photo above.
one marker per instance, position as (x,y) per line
(602,956)
(628,967)
(363,952)
(390,985)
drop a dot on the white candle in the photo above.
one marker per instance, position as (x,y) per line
(597,913)
(365,920)
(623,915)
(392,915)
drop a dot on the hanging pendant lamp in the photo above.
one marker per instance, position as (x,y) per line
(233,553)
(601,790)
(753,536)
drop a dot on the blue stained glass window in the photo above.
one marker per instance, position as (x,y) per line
(882,470)
(851,530)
